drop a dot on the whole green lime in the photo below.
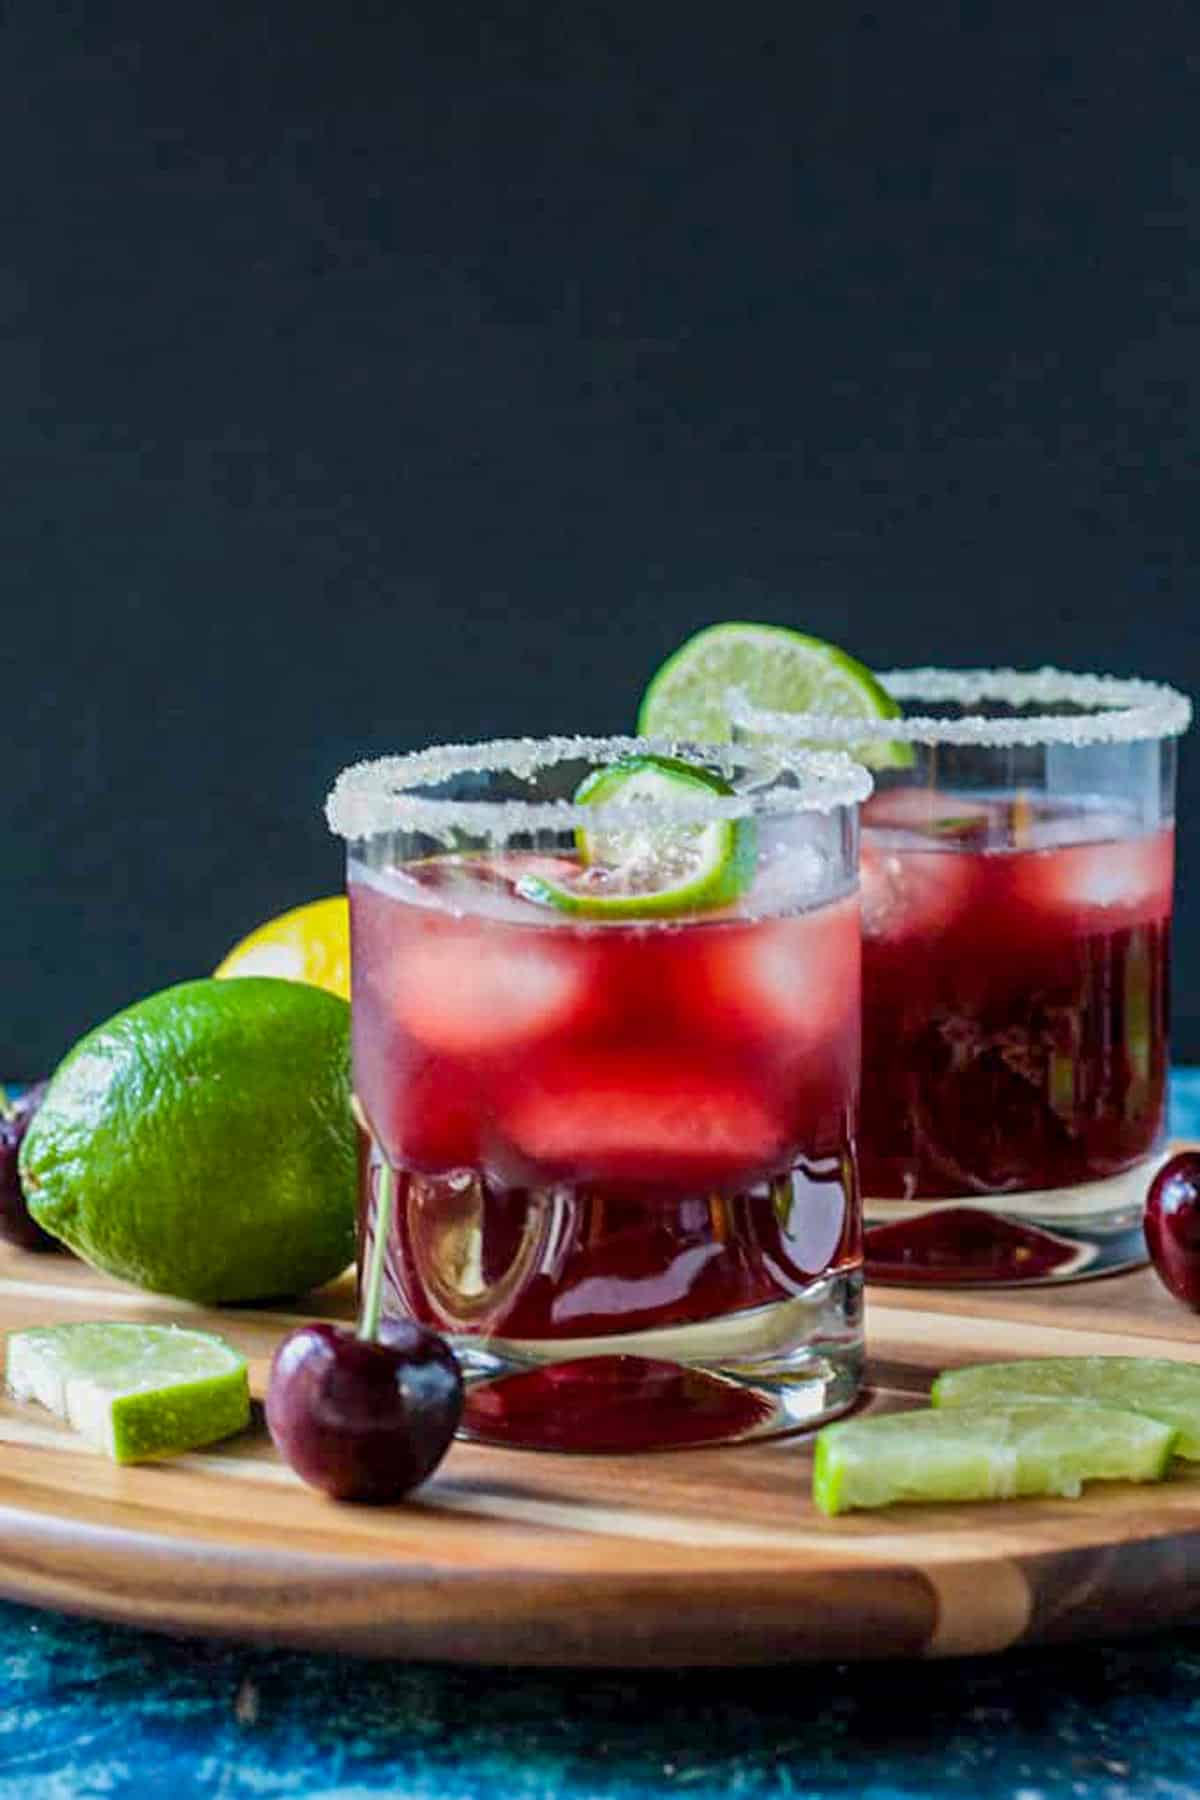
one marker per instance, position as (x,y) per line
(201,1143)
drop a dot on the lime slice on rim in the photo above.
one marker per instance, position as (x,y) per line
(653,868)
(137,1392)
(781,670)
(1152,1385)
(993,1453)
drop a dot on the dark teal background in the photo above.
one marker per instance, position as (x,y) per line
(403,369)
(91,1712)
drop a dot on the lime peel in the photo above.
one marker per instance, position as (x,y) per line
(775,668)
(136,1392)
(648,868)
(201,1142)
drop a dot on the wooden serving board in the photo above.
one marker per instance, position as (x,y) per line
(700,1557)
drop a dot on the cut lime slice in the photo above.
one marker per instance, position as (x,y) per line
(993,1453)
(778,669)
(135,1391)
(1162,1390)
(653,868)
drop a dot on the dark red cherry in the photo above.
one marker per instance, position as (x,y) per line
(16,1226)
(1173,1226)
(363,1420)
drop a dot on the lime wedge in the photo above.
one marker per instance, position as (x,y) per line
(993,1453)
(1162,1390)
(782,670)
(135,1391)
(651,868)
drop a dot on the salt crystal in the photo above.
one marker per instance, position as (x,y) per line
(371,798)
(1118,710)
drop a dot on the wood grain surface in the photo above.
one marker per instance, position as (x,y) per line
(700,1557)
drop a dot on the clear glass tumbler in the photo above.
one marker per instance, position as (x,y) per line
(1017,865)
(612,1158)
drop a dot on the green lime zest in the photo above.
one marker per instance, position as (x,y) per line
(201,1143)
(135,1392)
(1000,1452)
(652,869)
(778,669)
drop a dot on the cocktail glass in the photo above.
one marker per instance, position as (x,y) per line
(1017,863)
(614,1157)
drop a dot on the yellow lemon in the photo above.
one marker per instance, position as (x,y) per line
(311,944)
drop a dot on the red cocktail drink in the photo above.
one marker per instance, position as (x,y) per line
(1017,866)
(1016,964)
(625,1183)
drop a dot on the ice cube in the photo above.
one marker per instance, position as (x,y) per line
(485,887)
(1111,884)
(1055,825)
(619,1116)
(478,988)
(963,819)
(798,975)
(912,893)
(788,878)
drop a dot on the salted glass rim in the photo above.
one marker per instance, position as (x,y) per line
(1123,709)
(374,797)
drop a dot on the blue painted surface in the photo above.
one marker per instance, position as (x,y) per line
(1185,1103)
(89,1710)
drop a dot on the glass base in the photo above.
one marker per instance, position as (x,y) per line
(1011,1240)
(773,1369)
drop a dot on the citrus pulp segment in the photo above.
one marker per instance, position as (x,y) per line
(997,1452)
(775,668)
(1161,1389)
(652,866)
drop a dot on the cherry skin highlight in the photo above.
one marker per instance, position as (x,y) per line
(1172,1226)
(359,1419)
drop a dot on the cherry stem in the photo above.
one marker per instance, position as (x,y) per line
(372,1299)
